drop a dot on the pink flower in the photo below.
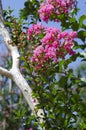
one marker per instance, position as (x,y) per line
(52,30)
(68,46)
(38,51)
(50,53)
(51,35)
(50,8)
(31,129)
(48,38)
(63,4)
(73,34)
(64,34)
(38,55)
(35,29)
(57,12)
(45,11)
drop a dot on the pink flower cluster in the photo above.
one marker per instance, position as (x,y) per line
(50,8)
(55,45)
(34,30)
(45,11)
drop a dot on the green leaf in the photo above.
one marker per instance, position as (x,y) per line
(82,35)
(7,23)
(72,20)
(83,125)
(83,54)
(74,25)
(81,20)
(83,79)
(63,81)
(61,65)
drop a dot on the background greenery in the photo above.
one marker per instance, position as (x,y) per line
(59,88)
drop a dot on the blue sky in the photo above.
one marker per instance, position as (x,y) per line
(82,6)
(14,4)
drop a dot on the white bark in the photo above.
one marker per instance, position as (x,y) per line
(15,74)
(5,72)
(24,87)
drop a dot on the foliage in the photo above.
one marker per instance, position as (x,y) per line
(30,10)
(60,92)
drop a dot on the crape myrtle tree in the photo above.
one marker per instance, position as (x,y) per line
(41,56)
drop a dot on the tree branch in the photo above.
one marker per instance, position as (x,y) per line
(14,72)
(5,72)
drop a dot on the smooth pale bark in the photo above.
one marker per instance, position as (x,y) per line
(5,72)
(14,73)
(24,87)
